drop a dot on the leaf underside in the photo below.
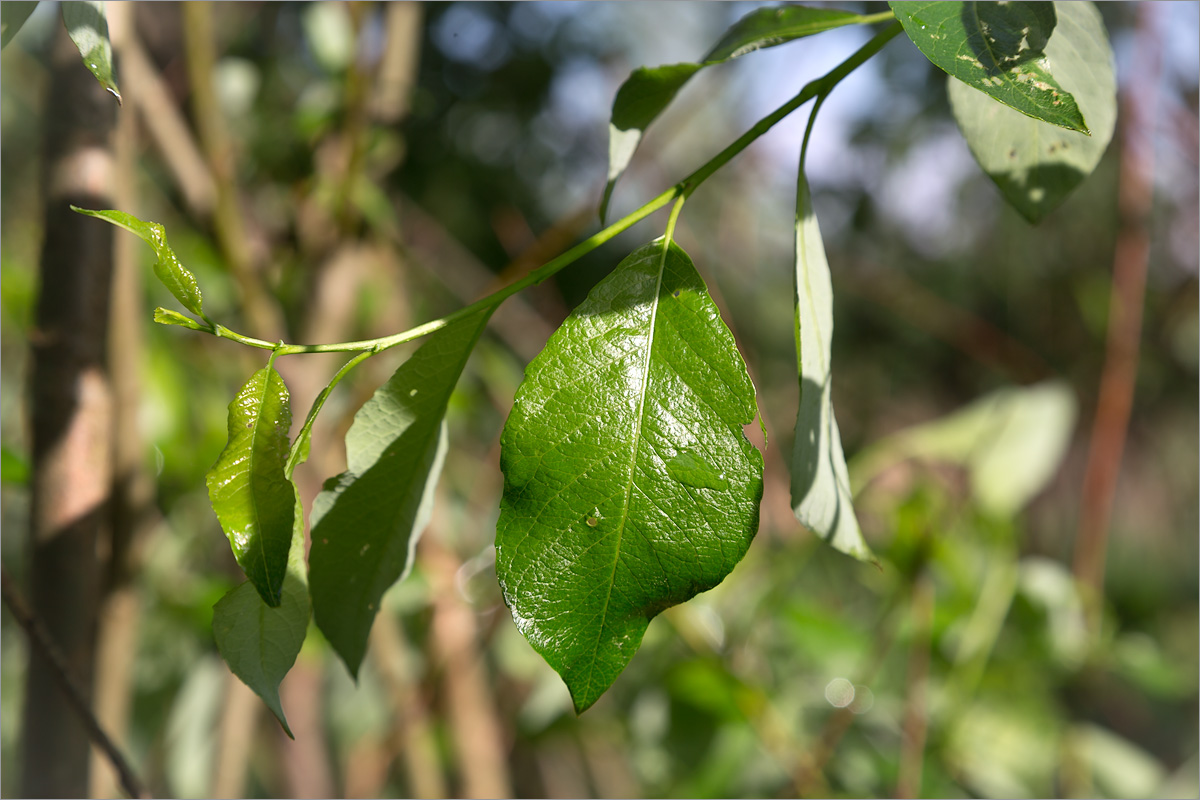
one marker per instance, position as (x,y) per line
(821,496)
(649,90)
(252,496)
(261,643)
(629,486)
(13,14)
(997,48)
(88,29)
(1037,165)
(366,521)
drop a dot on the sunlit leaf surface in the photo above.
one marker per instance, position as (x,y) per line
(629,486)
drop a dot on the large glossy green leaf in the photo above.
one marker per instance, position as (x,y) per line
(366,521)
(253,498)
(1011,442)
(13,14)
(997,48)
(821,497)
(167,268)
(88,28)
(649,90)
(629,486)
(1036,165)
(261,643)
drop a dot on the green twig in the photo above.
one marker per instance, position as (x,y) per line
(817,88)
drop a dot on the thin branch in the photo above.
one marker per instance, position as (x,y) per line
(40,640)
(1119,376)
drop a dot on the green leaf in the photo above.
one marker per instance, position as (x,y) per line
(366,521)
(165,316)
(173,275)
(997,48)
(261,643)
(629,486)
(88,29)
(649,90)
(253,498)
(13,14)
(1037,165)
(821,497)
(1011,442)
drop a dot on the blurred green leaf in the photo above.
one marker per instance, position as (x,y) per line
(261,643)
(167,268)
(598,531)
(14,467)
(649,90)
(997,48)
(88,29)
(1035,164)
(249,490)
(13,14)
(366,521)
(1011,441)
(821,496)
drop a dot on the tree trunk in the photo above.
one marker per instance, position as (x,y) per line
(71,413)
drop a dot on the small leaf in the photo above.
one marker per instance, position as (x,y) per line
(997,48)
(629,486)
(253,498)
(173,275)
(261,643)
(88,29)
(165,316)
(366,521)
(649,90)
(13,14)
(1036,165)
(821,497)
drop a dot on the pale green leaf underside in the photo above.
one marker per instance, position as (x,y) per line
(629,486)
(821,497)
(261,643)
(1036,165)
(997,48)
(1011,442)
(366,521)
(181,283)
(251,494)
(88,28)
(649,90)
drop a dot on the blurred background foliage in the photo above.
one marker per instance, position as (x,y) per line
(342,171)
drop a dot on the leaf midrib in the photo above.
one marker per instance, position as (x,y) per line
(261,537)
(634,440)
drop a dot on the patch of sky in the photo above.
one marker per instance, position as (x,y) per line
(469,35)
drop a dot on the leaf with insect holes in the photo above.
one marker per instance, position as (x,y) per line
(366,521)
(649,90)
(250,492)
(167,268)
(629,486)
(997,48)
(1035,164)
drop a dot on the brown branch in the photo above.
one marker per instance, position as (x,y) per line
(40,640)
(1130,261)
